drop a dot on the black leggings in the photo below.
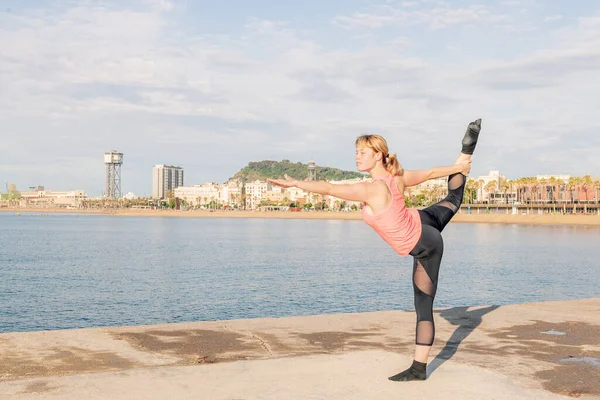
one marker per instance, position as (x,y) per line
(427,255)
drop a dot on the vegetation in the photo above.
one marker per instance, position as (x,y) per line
(262,170)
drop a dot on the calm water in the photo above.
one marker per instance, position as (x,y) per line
(71,271)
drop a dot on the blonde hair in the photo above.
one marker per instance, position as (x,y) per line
(379,145)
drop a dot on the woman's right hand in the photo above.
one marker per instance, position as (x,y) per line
(466,167)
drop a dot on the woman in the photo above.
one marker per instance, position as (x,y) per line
(408,231)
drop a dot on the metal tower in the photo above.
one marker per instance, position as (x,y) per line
(113,161)
(312,171)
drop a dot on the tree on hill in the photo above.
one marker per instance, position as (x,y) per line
(261,170)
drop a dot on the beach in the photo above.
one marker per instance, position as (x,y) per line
(493,218)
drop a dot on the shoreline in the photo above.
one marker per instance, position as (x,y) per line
(495,218)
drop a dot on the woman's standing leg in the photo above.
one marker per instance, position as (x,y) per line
(427,259)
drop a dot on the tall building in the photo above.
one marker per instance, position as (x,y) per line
(165,178)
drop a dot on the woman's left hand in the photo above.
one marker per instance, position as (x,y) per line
(285,183)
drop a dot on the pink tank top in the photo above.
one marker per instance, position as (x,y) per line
(398,225)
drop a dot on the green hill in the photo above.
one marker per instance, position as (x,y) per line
(276,169)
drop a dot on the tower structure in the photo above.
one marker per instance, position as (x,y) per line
(113,161)
(312,171)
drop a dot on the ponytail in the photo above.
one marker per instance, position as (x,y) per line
(392,165)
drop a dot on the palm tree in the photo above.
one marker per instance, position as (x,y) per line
(587,182)
(552,184)
(479,184)
(518,185)
(505,187)
(471,189)
(543,190)
(571,186)
(490,187)
(315,198)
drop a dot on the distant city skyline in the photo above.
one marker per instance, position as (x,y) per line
(174,174)
(210,87)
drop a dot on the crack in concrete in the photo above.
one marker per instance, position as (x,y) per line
(263,344)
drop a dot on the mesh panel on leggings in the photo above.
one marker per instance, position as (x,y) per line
(425,290)
(455,192)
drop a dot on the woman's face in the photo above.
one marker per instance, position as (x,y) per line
(366,159)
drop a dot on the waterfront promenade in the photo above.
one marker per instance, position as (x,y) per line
(548,350)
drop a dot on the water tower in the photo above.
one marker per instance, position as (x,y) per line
(113,161)
(312,171)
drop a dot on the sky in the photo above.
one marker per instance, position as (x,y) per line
(211,86)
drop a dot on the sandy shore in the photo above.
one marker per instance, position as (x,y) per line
(582,220)
(542,351)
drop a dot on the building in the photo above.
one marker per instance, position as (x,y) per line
(297,195)
(52,198)
(277,195)
(199,195)
(437,188)
(231,194)
(165,178)
(488,185)
(253,193)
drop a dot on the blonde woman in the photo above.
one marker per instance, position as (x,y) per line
(409,231)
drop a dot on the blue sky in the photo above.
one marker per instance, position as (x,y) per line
(212,85)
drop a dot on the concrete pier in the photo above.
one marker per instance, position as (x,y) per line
(548,350)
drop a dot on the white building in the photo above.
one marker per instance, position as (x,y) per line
(295,194)
(199,195)
(441,184)
(253,193)
(164,179)
(52,198)
(483,195)
(231,194)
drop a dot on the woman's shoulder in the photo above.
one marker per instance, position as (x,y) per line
(399,181)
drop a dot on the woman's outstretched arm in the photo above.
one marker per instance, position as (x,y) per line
(352,192)
(414,177)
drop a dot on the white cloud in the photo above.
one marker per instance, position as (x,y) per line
(553,18)
(160,5)
(434,18)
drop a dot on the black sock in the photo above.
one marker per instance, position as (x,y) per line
(416,372)
(471,135)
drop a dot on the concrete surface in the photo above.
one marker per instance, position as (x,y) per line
(540,351)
